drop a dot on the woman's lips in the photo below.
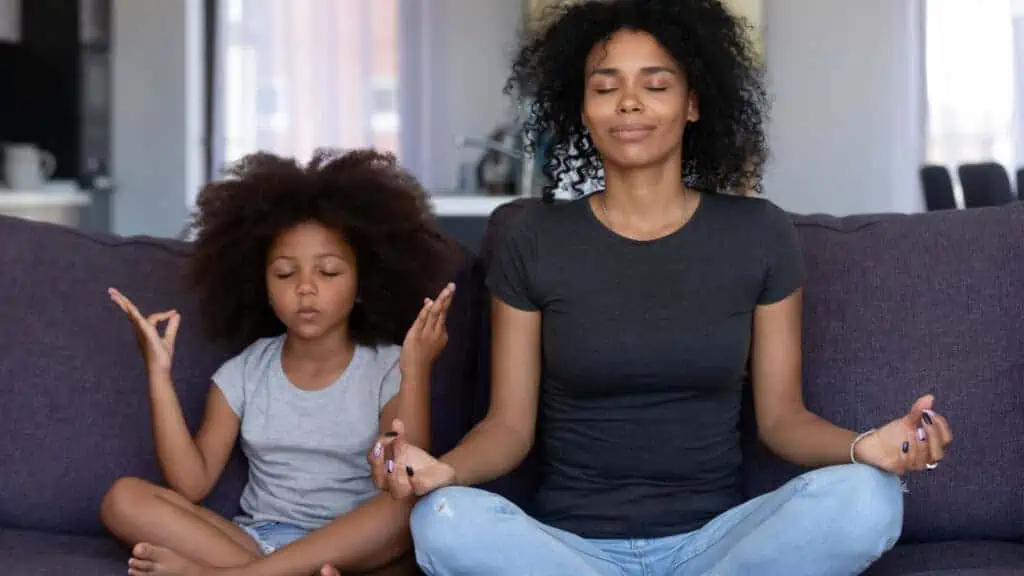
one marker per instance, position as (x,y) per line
(631,132)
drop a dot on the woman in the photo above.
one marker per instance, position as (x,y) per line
(623,323)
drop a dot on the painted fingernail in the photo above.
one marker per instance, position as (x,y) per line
(391,466)
(408,470)
(377,450)
(927,419)
(920,433)
(906,447)
(391,434)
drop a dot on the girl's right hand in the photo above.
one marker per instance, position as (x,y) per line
(404,469)
(157,349)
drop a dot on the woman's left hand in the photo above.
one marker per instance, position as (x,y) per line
(916,441)
(428,334)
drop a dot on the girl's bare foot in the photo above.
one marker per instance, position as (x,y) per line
(150,560)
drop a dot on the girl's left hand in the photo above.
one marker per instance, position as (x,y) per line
(916,441)
(428,334)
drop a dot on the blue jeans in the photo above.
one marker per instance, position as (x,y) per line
(831,521)
(271,536)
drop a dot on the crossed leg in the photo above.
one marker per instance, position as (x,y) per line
(136,511)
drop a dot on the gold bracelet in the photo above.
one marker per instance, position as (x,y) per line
(853,444)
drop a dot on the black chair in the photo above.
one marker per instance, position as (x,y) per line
(938,188)
(985,184)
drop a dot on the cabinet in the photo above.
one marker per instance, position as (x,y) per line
(69,45)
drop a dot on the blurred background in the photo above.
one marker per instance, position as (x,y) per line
(114,112)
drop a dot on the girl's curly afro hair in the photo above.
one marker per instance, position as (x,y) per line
(723,152)
(379,210)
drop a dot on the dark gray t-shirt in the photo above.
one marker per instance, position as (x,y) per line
(645,349)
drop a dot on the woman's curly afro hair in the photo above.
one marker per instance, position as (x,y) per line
(723,152)
(379,210)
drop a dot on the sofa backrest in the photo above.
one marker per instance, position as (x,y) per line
(897,306)
(74,400)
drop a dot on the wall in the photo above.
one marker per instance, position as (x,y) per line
(10,20)
(157,93)
(462,52)
(848,114)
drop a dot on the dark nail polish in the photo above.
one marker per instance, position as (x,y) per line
(927,419)
(408,470)
(906,447)
(390,434)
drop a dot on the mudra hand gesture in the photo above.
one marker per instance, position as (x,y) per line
(404,469)
(916,441)
(157,349)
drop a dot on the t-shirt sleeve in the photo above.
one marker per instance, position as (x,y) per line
(392,379)
(230,378)
(511,274)
(785,260)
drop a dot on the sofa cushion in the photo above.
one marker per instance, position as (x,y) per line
(73,387)
(897,306)
(978,558)
(26,553)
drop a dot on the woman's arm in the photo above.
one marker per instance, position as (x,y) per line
(500,442)
(783,422)
(190,466)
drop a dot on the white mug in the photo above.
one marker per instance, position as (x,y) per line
(27,167)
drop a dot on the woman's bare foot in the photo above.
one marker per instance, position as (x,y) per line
(150,560)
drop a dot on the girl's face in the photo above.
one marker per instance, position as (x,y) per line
(311,280)
(636,101)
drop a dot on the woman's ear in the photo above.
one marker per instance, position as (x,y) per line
(692,107)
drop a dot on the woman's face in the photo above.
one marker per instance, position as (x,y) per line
(636,101)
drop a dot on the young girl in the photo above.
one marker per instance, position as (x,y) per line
(320,271)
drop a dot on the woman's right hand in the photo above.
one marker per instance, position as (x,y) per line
(404,469)
(157,349)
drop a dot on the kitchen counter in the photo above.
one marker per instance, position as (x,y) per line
(60,203)
(467,205)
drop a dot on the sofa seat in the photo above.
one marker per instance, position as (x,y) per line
(964,558)
(28,553)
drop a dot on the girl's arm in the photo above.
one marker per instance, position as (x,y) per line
(190,465)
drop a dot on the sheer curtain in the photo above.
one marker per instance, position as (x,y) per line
(971,86)
(291,76)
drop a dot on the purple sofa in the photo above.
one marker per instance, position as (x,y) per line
(896,306)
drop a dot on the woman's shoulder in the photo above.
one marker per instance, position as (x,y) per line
(744,212)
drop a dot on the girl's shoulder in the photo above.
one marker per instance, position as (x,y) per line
(383,357)
(255,358)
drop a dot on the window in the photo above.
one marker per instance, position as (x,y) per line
(384,105)
(970,69)
(290,77)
